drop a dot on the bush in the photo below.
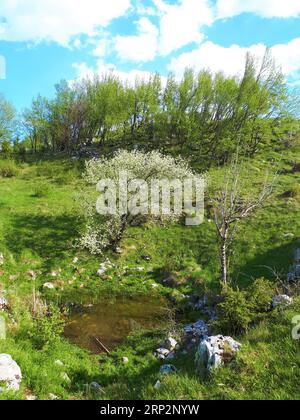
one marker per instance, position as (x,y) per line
(234,312)
(8,169)
(260,295)
(239,309)
(48,327)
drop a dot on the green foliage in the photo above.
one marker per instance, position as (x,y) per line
(260,295)
(234,312)
(8,169)
(48,327)
(204,112)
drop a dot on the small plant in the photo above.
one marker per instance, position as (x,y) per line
(48,327)
(41,190)
(234,312)
(8,169)
(260,295)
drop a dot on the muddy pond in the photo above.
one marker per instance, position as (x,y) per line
(111,320)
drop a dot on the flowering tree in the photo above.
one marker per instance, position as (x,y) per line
(131,186)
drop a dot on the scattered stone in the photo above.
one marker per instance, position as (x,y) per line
(3,304)
(157,386)
(49,286)
(30,397)
(215,351)
(101,271)
(95,387)
(1,259)
(119,251)
(281,301)
(170,344)
(58,363)
(162,353)
(167,369)
(10,373)
(198,329)
(154,286)
(140,269)
(125,360)
(53,274)
(31,274)
(53,397)
(75,261)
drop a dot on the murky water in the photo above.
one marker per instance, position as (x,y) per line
(112,320)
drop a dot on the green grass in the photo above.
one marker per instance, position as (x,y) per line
(39,224)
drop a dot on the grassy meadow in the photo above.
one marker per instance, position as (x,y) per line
(40,222)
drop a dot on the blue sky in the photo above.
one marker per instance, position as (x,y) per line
(42,42)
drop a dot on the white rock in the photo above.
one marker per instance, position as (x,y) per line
(1,259)
(101,271)
(75,261)
(157,386)
(52,397)
(170,343)
(31,274)
(58,363)
(162,353)
(10,373)
(49,286)
(282,301)
(3,304)
(215,351)
(125,360)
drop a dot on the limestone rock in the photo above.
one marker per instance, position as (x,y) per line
(198,329)
(49,286)
(215,351)
(10,373)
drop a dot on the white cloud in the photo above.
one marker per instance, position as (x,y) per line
(264,8)
(231,60)
(85,72)
(2,67)
(181,24)
(56,20)
(141,47)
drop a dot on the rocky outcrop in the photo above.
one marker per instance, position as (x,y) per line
(216,351)
(10,374)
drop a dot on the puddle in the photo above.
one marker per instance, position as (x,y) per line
(112,320)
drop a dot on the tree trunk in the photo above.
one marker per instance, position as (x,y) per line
(224,272)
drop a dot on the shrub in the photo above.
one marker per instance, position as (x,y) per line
(8,169)
(260,295)
(48,327)
(234,311)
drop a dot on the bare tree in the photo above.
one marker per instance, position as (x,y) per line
(233,202)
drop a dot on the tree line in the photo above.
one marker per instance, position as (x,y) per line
(203,114)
